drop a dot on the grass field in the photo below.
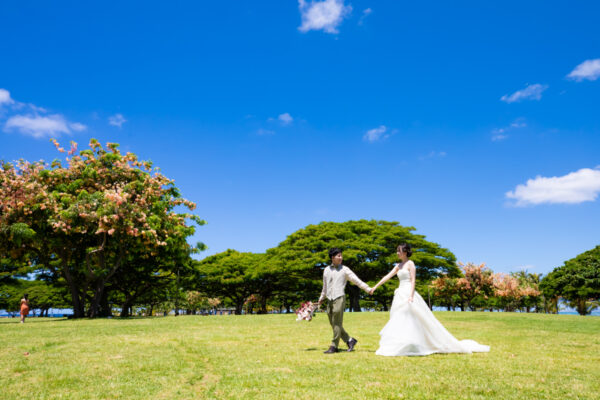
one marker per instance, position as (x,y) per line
(273,357)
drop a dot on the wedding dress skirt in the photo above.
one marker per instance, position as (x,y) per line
(413,330)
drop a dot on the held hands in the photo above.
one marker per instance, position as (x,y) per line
(372,290)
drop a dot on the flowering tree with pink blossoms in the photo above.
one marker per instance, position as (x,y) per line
(475,286)
(480,288)
(445,292)
(90,218)
(511,292)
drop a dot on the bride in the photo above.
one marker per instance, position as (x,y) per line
(412,329)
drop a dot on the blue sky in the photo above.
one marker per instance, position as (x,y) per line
(475,122)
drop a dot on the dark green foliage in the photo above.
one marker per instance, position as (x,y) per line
(292,272)
(577,281)
(232,276)
(42,295)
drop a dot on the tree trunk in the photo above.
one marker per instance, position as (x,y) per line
(581,306)
(78,309)
(238,308)
(125,307)
(105,309)
(263,305)
(94,309)
(354,296)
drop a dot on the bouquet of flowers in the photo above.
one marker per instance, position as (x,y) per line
(306,311)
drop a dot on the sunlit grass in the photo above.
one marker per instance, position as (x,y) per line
(273,357)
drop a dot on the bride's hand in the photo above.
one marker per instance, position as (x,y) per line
(410,299)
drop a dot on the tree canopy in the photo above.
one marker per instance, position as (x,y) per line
(369,249)
(577,281)
(230,275)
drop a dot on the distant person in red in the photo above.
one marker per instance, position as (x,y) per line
(24,307)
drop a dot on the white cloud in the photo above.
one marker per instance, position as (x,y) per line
(433,154)
(285,118)
(499,134)
(589,69)
(36,108)
(324,15)
(77,127)
(517,124)
(366,12)
(117,120)
(38,126)
(32,121)
(263,132)
(375,134)
(531,92)
(576,187)
(5,97)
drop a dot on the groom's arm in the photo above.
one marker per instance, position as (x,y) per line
(324,291)
(351,276)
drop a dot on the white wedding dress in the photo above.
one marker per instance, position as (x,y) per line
(413,330)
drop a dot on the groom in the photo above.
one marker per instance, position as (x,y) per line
(335,277)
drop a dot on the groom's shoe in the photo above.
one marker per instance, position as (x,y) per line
(331,350)
(351,343)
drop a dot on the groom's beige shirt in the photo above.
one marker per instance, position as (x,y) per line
(334,281)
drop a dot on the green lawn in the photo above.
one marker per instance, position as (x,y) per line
(274,357)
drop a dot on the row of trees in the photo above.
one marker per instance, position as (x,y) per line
(480,288)
(42,296)
(285,276)
(290,273)
(107,231)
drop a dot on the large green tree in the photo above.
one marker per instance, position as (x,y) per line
(369,249)
(577,281)
(232,276)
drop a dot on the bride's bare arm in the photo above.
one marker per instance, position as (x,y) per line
(413,277)
(386,278)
